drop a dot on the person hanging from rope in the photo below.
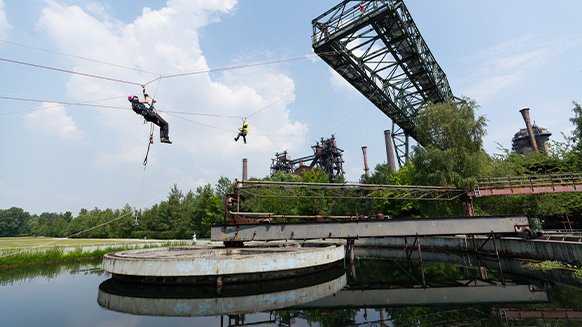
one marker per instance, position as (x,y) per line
(149,114)
(243,130)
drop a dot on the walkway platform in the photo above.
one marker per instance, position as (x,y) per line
(445,226)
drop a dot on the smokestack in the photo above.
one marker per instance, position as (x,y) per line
(364,150)
(244,172)
(389,150)
(532,137)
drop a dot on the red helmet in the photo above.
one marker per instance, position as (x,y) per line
(129,98)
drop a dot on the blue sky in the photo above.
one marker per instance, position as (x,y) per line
(506,55)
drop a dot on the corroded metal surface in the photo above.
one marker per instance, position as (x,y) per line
(193,302)
(206,261)
(371,228)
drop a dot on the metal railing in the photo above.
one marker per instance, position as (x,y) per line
(529,184)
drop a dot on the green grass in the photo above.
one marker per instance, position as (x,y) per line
(551,265)
(16,252)
(48,242)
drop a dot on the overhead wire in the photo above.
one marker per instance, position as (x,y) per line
(213,70)
(158,79)
(68,71)
(89,104)
(77,57)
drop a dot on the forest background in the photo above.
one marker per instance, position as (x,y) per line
(453,156)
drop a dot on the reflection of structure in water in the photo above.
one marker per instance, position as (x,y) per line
(540,314)
(523,143)
(195,301)
(326,155)
(465,292)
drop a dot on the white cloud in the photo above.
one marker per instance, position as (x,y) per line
(507,65)
(54,121)
(4,25)
(166,41)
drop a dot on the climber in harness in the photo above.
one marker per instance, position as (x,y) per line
(243,132)
(149,114)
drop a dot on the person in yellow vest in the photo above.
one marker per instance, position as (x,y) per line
(243,132)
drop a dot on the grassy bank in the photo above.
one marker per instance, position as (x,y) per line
(16,252)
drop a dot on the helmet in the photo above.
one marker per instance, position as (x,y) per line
(129,98)
(246,124)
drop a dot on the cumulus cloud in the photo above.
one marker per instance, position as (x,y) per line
(54,121)
(4,26)
(164,42)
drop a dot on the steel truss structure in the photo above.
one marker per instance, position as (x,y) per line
(380,51)
(267,189)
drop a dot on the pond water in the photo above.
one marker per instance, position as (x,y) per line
(452,290)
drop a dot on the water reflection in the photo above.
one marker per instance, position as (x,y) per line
(459,289)
(374,291)
(196,301)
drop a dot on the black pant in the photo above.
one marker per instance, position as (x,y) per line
(244,136)
(156,119)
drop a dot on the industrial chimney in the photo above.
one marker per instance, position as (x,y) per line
(532,137)
(244,170)
(389,150)
(364,150)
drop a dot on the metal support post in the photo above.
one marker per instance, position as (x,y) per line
(420,257)
(498,260)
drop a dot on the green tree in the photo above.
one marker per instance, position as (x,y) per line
(453,154)
(207,210)
(14,222)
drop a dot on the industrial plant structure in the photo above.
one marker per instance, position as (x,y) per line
(530,139)
(326,155)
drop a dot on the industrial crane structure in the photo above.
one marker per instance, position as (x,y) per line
(376,46)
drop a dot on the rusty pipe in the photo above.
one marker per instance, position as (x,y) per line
(532,137)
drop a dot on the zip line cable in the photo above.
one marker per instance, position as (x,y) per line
(158,79)
(68,71)
(290,94)
(78,57)
(117,218)
(60,103)
(88,104)
(213,70)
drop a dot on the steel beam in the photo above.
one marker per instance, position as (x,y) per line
(370,228)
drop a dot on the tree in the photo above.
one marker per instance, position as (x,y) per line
(453,154)
(14,222)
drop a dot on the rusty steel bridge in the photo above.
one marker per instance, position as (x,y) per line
(241,226)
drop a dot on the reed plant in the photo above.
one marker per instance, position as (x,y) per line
(21,257)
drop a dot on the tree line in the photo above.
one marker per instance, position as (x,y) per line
(453,155)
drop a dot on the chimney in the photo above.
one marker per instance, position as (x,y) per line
(389,150)
(364,150)
(244,170)
(532,137)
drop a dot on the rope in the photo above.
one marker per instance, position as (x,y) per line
(150,142)
(64,103)
(67,71)
(78,57)
(88,104)
(213,70)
